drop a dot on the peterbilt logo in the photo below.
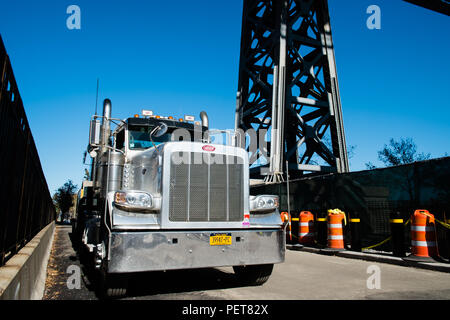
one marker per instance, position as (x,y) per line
(208,148)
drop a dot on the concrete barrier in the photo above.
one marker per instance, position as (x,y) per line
(23,276)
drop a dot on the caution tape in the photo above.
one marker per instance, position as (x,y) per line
(378,244)
(337,211)
(385,240)
(445,225)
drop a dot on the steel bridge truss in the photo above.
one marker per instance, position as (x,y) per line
(288,89)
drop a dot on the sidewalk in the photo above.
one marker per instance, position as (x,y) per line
(376,257)
(62,258)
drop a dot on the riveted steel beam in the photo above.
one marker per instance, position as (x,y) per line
(288,89)
(441,6)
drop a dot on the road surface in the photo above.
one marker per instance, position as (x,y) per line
(302,276)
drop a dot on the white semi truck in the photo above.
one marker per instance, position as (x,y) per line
(161,196)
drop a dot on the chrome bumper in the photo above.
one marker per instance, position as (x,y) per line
(169,250)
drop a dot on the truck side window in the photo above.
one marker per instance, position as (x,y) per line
(120,140)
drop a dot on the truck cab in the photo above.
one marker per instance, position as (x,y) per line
(163,195)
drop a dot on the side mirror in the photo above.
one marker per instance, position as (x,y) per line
(160,130)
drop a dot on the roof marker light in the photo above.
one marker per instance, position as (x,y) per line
(147,113)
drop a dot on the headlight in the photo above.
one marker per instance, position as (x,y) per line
(263,203)
(134,199)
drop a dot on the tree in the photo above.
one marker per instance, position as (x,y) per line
(327,142)
(63,198)
(398,153)
(401,152)
(370,166)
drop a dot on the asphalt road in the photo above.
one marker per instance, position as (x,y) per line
(302,276)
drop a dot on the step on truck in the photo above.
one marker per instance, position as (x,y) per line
(162,196)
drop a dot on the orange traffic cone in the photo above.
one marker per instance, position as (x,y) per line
(306,228)
(423,237)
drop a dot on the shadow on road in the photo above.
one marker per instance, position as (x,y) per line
(152,284)
(180,281)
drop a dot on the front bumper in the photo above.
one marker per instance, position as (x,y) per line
(170,250)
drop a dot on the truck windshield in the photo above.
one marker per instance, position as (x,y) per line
(139,138)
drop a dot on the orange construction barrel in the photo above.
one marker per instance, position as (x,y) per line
(423,237)
(306,228)
(335,237)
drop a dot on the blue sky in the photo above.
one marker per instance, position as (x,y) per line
(181,57)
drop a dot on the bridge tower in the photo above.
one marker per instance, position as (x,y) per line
(288,90)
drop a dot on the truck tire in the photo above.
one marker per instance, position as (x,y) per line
(113,286)
(254,274)
(116,292)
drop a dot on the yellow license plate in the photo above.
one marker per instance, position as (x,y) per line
(220,239)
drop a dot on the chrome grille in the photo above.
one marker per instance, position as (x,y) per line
(203,190)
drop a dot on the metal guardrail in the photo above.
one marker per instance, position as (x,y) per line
(26,204)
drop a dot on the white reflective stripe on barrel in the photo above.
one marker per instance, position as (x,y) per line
(335,225)
(422,228)
(304,224)
(423,243)
(335,237)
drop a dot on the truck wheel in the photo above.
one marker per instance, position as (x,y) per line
(254,274)
(113,286)
(116,292)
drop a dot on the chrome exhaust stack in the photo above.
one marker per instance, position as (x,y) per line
(106,125)
(204,118)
